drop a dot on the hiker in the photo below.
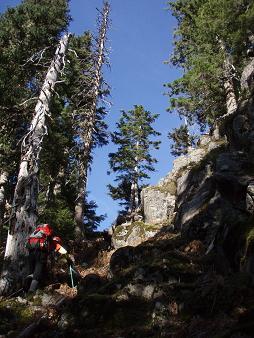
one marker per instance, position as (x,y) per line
(40,244)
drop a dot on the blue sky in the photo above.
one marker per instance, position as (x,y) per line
(140,40)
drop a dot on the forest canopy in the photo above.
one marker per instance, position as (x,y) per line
(210,47)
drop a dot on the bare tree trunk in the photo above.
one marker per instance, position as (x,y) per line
(79,206)
(54,187)
(24,209)
(231,100)
(134,186)
(134,196)
(89,124)
(3,180)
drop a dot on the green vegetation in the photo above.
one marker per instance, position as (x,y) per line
(14,315)
(133,160)
(168,187)
(182,140)
(211,42)
(29,34)
(141,226)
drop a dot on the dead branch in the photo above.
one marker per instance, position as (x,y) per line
(74,52)
(28,100)
(36,56)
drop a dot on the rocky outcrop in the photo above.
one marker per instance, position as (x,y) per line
(133,233)
(158,203)
(167,203)
(248,76)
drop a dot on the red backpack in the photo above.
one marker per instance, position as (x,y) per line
(40,238)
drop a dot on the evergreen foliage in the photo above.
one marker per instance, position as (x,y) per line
(29,34)
(182,140)
(59,177)
(133,159)
(203,26)
(92,220)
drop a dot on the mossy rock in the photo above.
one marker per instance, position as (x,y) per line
(123,232)
(168,187)
(14,315)
(249,237)
(146,226)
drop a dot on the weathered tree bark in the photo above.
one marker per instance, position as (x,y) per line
(134,196)
(134,186)
(231,100)
(3,181)
(80,201)
(24,209)
(228,83)
(88,125)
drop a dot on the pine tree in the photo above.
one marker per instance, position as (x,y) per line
(89,119)
(133,160)
(59,174)
(24,209)
(182,140)
(59,153)
(91,219)
(210,46)
(29,34)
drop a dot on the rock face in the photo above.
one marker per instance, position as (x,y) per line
(214,199)
(158,205)
(159,202)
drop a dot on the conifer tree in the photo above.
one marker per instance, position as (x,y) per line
(59,154)
(182,140)
(57,174)
(211,42)
(133,160)
(29,34)
(24,209)
(89,119)
(91,219)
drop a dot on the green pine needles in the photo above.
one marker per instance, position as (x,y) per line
(133,159)
(210,46)
(29,35)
